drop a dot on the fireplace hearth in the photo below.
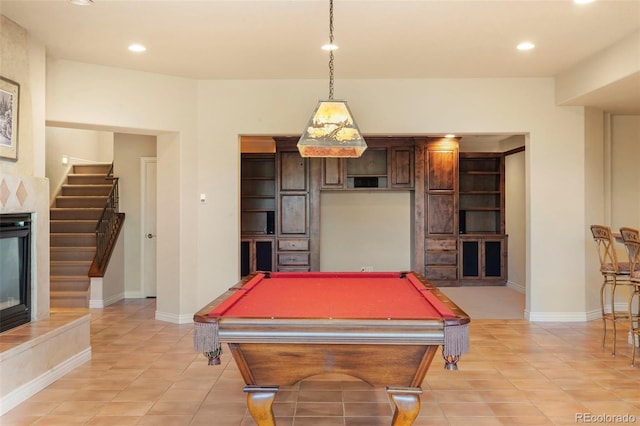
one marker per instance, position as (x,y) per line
(15,276)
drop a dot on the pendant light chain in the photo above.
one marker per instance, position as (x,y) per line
(331,51)
(331,132)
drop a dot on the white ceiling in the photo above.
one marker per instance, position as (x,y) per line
(281,39)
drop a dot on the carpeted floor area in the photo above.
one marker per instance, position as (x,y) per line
(494,302)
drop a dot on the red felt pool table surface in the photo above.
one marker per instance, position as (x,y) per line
(356,295)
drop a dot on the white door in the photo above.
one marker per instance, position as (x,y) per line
(148,226)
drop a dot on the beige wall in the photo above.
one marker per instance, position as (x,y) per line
(612,152)
(597,200)
(365,229)
(155,105)
(426,107)
(625,173)
(198,152)
(79,146)
(515,220)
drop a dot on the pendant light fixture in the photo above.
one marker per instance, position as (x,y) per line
(331,131)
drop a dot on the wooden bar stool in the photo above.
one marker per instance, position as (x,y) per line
(631,239)
(614,274)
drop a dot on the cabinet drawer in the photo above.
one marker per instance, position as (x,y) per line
(293,245)
(442,258)
(434,244)
(292,259)
(294,269)
(442,272)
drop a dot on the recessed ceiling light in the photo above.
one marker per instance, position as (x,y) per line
(81,2)
(583,1)
(526,45)
(137,48)
(330,46)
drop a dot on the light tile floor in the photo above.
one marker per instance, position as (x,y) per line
(145,372)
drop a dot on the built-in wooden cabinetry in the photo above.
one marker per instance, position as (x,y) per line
(483,259)
(278,209)
(459,229)
(293,250)
(483,243)
(256,254)
(481,193)
(257,212)
(436,203)
(459,210)
(387,164)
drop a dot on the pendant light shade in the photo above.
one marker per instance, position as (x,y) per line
(331,130)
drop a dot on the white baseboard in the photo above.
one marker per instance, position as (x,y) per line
(173,318)
(594,314)
(101,303)
(556,316)
(591,315)
(96,303)
(520,288)
(26,391)
(113,299)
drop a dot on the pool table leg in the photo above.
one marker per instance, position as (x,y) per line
(260,403)
(407,402)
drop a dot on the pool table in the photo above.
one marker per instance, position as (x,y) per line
(383,328)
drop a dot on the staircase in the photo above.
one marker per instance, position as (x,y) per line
(73,219)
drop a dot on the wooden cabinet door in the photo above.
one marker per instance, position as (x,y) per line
(294,214)
(483,259)
(332,173)
(441,168)
(256,254)
(441,187)
(293,172)
(402,165)
(440,214)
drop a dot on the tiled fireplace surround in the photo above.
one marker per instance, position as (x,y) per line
(36,354)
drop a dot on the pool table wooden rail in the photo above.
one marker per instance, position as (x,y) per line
(331,331)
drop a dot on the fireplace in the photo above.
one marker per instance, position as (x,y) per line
(15,270)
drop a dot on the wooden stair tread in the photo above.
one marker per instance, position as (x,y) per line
(84,221)
(68,277)
(71,248)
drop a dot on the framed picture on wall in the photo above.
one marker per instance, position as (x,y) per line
(9,98)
